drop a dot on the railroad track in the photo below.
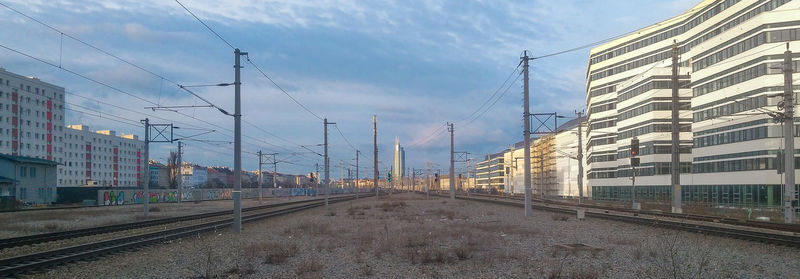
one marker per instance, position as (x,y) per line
(705,218)
(46,237)
(38,261)
(750,234)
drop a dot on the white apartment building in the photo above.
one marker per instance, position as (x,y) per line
(31,117)
(727,50)
(32,125)
(101,158)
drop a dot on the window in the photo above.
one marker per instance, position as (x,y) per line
(23,171)
(33,171)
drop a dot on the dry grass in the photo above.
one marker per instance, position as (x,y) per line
(312,228)
(503,229)
(443,213)
(270,252)
(391,206)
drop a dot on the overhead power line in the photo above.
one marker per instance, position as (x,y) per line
(109,54)
(682,16)
(206,25)
(345,138)
(281,89)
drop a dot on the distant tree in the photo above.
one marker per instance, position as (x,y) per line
(174,169)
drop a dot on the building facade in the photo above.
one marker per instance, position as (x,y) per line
(159,175)
(101,158)
(729,53)
(31,117)
(27,179)
(490,173)
(193,176)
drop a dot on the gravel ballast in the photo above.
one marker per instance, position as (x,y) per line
(21,223)
(409,236)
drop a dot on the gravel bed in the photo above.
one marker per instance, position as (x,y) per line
(408,236)
(21,223)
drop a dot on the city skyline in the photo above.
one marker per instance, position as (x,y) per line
(412,109)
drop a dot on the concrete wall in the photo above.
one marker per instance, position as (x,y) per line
(132,196)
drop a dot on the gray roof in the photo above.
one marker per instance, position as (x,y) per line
(28,160)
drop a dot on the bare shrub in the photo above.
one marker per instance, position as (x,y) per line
(680,255)
(463,252)
(207,262)
(559,217)
(354,211)
(270,252)
(430,255)
(366,270)
(309,269)
(638,253)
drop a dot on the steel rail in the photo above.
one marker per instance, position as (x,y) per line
(38,261)
(46,237)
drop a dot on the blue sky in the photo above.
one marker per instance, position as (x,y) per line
(415,64)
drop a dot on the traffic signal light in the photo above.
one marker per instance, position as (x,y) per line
(634,147)
(311,177)
(389,177)
(435,177)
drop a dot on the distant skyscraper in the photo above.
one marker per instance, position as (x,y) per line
(399,159)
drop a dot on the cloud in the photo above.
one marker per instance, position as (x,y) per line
(416,64)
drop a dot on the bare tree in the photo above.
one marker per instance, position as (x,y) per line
(174,169)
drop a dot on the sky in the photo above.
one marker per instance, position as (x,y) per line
(414,64)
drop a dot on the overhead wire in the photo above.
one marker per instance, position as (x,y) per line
(281,89)
(204,24)
(62,33)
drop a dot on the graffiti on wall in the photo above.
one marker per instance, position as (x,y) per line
(221,194)
(120,197)
(112,198)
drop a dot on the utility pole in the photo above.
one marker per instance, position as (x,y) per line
(788,136)
(260,176)
(513,168)
(526,123)
(375,154)
(327,162)
(146,196)
(274,170)
(428,178)
(357,173)
(580,158)
(676,155)
(180,176)
(452,167)
(236,194)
